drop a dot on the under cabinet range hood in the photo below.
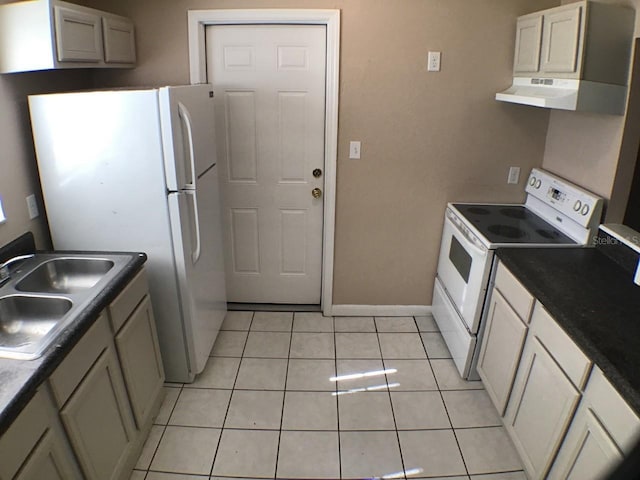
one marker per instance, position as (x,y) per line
(566,94)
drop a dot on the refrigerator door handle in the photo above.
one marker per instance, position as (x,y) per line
(186,119)
(195,254)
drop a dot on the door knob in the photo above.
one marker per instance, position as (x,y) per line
(316,193)
(317,172)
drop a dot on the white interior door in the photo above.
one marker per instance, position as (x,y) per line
(269,83)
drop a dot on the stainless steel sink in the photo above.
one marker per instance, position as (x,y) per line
(26,320)
(65,275)
(46,294)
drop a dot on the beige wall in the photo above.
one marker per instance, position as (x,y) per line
(18,170)
(586,148)
(427,138)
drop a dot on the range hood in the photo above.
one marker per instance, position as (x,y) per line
(566,94)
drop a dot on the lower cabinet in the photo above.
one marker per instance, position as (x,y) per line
(90,419)
(35,446)
(603,430)
(95,410)
(500,351)
(138,349)
(565,419)
(545,394)
(98,420)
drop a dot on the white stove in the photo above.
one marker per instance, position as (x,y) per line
(555,214)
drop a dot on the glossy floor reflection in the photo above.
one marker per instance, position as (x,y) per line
(293,396)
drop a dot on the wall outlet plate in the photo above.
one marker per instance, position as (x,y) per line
(354,149)
(514,175)
(32,206)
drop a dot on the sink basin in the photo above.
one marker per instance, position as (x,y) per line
(26,320)
(65,275)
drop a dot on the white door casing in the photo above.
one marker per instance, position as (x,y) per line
(269,82)
(291,96)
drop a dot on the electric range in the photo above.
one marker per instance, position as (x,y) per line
(555,214)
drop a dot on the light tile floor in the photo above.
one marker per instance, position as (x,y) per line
(293,396)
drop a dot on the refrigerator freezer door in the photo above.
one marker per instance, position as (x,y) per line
(187,120)
(196,226)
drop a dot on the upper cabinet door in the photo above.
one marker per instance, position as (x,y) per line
(78,35)
(119,42)
(561,40)
(528,36)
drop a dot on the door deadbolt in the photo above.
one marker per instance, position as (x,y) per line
(316,193)
(317,172)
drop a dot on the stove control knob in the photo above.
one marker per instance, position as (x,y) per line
(532,181)
(585,209)
(577,206)
(538,183)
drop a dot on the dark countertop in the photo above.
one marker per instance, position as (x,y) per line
(595,302)
(19,379)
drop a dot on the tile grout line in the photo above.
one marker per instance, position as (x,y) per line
(393,414)
(453,430)
(284,395)
(335,367)
(224,420)
(164,429)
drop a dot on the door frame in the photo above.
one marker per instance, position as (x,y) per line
(198,20)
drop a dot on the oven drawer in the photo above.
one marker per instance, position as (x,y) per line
(460,342)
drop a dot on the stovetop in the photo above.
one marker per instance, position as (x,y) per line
(514,224)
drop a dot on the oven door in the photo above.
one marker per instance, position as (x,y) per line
(463,268)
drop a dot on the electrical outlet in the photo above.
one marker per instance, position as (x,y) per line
(3,218)
(32,206)
(433,62)
(354,149)
(514,175)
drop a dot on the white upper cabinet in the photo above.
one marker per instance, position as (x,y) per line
(51,34)
(582,40)
(528,35)
(561,40)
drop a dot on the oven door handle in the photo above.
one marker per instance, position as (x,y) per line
(470,241)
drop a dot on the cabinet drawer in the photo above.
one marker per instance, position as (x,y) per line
(514,293)
(128,300)
(74,367)
(567,355)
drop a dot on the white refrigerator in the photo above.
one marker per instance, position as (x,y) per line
(135,170)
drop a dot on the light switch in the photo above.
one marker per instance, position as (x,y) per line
(354,149)
(2,216)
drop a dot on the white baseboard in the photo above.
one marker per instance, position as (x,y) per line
(378,310)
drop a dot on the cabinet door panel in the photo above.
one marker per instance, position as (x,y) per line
(588,452)
(119,43)
(561,41)
(98,420)
(47,461)
(500,352)
(78,35)
(528,37)
(139,354)
(540,408)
